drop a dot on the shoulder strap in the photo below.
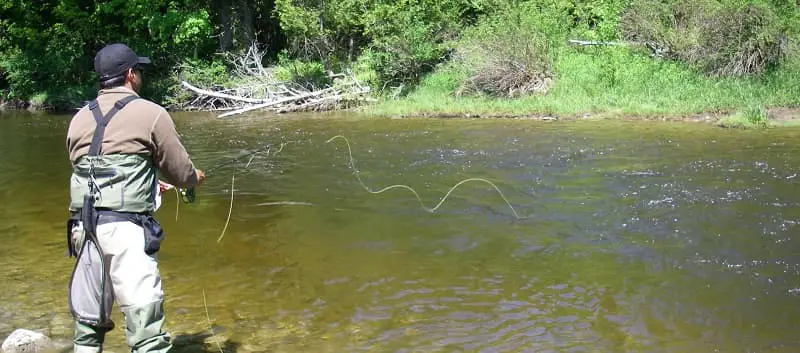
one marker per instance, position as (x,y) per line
(102,121)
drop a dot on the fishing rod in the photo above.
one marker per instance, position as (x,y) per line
(188,195)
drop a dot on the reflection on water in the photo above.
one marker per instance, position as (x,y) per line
(634,237)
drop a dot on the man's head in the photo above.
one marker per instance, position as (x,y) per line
(117,65)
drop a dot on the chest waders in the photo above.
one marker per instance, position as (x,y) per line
(85,305)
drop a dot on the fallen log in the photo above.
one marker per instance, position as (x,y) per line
(220,95)
(275,102)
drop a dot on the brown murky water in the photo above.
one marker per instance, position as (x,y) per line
(634,237)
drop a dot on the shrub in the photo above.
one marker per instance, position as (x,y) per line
(414,50)
(595,20)
(206,74)
(309,75)
(510,54)
(403,40)
(718,38)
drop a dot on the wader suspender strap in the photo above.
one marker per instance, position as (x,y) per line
(88,212)
(102,121)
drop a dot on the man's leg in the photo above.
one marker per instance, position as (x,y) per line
(88,339)
(145,325)
(137,287)
(85,297)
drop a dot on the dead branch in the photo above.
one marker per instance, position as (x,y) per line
(219,94)
(257,88)
(589,42)
(275,102)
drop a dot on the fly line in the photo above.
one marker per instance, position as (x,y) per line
(419,199)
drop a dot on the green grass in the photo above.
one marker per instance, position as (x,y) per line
(749,118)
(606,81)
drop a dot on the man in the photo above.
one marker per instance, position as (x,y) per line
(116,145)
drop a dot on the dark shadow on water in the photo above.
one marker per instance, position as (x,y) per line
(196,343)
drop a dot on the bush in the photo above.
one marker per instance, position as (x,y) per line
(402,40)
(510,54)
(309,75)
(364,69)
(720,39)
(403,58)
(206,74)
(595,20)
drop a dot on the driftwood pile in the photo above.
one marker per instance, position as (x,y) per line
(258,89)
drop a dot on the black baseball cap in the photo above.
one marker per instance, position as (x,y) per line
(114,59)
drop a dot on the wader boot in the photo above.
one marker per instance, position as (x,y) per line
(144,332)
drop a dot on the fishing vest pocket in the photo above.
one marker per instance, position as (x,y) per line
(126,183)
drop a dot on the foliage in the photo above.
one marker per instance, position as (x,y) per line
(510,53)
(494,47)
(307,32)
(208,74)
(185,30)
(47,47)
(364,69)
(400,40)
(719,38)
(595,20)
(405,57)
(33,58)
(603,81)
(309,75)
(756,115)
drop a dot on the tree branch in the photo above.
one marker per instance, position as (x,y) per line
(220,95)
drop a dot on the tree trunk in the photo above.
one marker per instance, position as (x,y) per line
(224,18)
(246,18)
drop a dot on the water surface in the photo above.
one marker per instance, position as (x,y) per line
(633,237)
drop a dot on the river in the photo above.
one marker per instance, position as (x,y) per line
(631,236)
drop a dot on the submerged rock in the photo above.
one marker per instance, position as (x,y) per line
(25,341)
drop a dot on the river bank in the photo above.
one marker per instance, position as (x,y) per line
(773,117)
(604,84)
(586,86)
(596,83)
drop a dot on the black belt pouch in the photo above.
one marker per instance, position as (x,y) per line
(153,235)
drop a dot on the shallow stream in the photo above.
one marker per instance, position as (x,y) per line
(632,236)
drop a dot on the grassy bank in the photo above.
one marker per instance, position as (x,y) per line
(596,82)
(609,81)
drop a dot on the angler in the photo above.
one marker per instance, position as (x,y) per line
(117,144)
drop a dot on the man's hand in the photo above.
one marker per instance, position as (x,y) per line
(200,176)
(164,186)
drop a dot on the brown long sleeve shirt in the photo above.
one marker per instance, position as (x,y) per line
(142,127)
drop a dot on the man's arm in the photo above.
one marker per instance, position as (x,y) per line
(170,156)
